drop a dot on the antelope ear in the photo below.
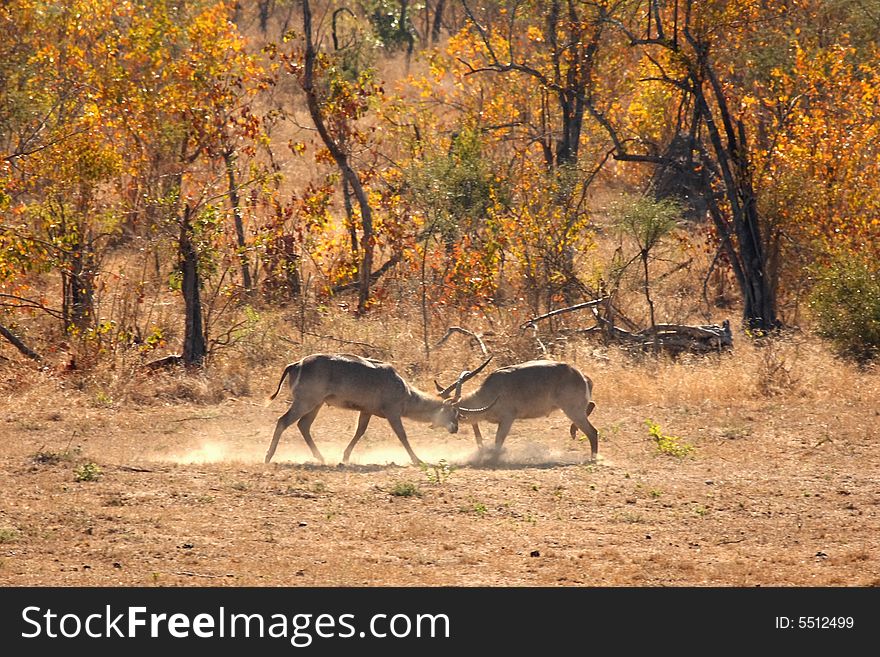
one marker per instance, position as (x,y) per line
(440,389)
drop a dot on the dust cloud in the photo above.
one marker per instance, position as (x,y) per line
(213,452)
(525,454)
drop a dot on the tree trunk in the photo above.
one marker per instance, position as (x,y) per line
(342,161)
(647,288)
(264,7)
(235,202)
(726,156)
(759,299)
(349,218)
(79,287)
(194,347)
(567,145)
(437,25)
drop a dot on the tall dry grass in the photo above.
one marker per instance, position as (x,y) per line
(788,367)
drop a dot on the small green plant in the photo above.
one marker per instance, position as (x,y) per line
(405,489)
(8,535)
(87,472)
(480,509)
(654,493)
(736,432)
(438,473)
(630,517)
(671,445)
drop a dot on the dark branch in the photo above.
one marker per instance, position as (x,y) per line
(559,311)
(18,344)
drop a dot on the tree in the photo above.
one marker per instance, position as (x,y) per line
(556,47)
(647,222)
(689,43)
(183,126)
(56,166)
(334,106)
(820,157)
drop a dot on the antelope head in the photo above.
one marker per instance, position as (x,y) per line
(452,412)
(464,376)
(446,417)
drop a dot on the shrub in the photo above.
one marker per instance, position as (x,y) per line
(87,472)
(671,445)
(405,489)
(8,535)
(438,473)
(845,301)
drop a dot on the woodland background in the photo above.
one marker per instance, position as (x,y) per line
(176,174)
(195,193)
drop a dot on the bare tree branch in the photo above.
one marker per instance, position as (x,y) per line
(29,303)
(18,344)
(457,329)
(375,276)
(578,306)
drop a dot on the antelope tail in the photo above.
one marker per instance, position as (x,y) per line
(290,370)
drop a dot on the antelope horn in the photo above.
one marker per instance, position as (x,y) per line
(464,376)
(477,410)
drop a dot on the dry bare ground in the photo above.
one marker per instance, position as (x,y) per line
(781,487)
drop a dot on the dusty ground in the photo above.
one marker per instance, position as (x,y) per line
(776,492)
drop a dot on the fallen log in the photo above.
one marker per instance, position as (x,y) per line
(671,338)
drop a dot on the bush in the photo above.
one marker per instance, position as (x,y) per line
(87,472)
(671,445)
(405,489)
(845,301)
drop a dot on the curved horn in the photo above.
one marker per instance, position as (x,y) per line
(477,410)
(464,376)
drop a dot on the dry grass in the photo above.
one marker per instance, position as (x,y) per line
(778,489)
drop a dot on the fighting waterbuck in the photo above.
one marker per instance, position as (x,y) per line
(530,390)
(370,386)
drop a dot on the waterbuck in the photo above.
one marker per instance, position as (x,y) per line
(363,384)
(530,390)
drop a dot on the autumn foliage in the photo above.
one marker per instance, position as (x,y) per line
(162,182)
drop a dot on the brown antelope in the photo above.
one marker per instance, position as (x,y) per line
(530,390)
(370,386)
